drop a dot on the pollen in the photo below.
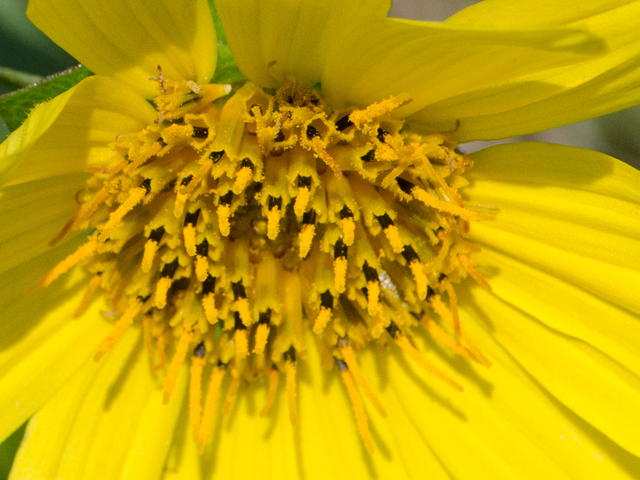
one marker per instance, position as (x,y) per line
(244,223)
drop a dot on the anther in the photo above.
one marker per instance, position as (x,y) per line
(186,180)
(265,317)
(346,213)
(275,202)
(200,132)
(238,290)
(370,156)
(202,249)
(238,325)
(382,135)
(410,254)
(304,182)
(162,142)
(216,156)
(209,285)
(246,162)
(169,269)
(226,198)
(191,218)
(339,249)
(393,330)
(343,123)
(312,132)
(385,221)
(326,299)
(200,350)
(405,185)
(370,273)
(309,217)
(157,234)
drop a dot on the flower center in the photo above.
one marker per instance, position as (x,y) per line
(229,229)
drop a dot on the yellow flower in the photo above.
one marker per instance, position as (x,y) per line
(307,225)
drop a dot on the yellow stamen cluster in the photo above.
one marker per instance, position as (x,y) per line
(229,229)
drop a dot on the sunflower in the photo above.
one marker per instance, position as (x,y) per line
(300,275)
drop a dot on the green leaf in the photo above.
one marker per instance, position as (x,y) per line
(15,106)
(226,69)
(14,79)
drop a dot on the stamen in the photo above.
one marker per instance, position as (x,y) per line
(350,359)
(358,410)
(170,379)
(274,210)
(274,377)
(125,320)
(195,393)
(210,404)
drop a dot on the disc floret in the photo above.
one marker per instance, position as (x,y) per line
(236,228)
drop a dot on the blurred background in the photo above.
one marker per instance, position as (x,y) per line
(24,48)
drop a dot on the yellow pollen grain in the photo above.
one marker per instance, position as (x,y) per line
(210,404)
(306,239)
(393,235)
(195,394)
(242,344)
(444,206)
(210,310)
(171,377)
(273,223)
(135,195)
(290,372)
(243,177)
(262,335)
(274,379)
(321,320)
(121,325)
(417,270)
(350,358)
(178,206)
(348,231)
(189,233)
(64,266)
(361,118)
(224,212)
(302,199)
(358,410)
(202,267)
(340,274)
(162,289)
(373,298)
(242,307)
(150,250)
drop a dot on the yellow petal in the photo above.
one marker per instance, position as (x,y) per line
(289,33)
(527,13)
(598,389)
(128,39)
(32,214)
(42,345)
(107,422)
(584,229)
(72,130)
(376,58)
(548,99)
